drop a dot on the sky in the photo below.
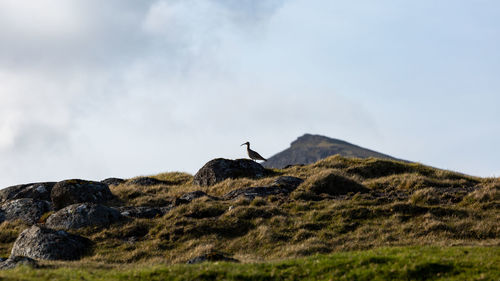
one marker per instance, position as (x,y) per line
(120,88)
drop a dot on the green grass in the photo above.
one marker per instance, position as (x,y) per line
(393,263)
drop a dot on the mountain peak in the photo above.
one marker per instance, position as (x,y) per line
(310,148)
(310,139)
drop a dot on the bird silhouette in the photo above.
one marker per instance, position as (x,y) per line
(253,154)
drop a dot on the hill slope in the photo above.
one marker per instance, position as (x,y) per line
(309,148)
(342,205)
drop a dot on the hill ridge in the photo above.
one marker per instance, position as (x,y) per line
(310,148)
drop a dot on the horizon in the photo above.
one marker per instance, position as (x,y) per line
(94,90)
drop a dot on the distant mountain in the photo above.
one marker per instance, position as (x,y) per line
(309,148)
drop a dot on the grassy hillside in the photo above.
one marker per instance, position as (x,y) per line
(400,263)
(406,205)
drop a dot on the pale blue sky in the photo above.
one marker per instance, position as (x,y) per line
(93,89)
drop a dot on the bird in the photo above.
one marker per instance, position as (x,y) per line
(253,154)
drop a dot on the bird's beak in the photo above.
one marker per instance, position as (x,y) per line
(243,144)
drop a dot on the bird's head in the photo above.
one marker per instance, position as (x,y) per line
(247,143)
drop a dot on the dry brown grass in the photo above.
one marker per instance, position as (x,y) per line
(404,204)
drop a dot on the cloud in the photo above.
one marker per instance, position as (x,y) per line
(78,77)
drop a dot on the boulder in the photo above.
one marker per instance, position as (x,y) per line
(220,169)
(288,182)
(190,196)
(143,212)
(82,215)
(47,244)
(70,192)
(25,209)
(17,260)
(146,181)
(211,257)
(282,185)
(113,181)
(252,192)
(332,183)
(37,191)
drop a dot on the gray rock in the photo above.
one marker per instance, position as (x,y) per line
(37,191)
(288,182)
(190,196)
(252,192)
(16,261)
(282,185)
(25,209)
(47,244)
(70,192)
(113,181)
(143,212)
(83,215)
(211,257)
(146,181)
(220,169)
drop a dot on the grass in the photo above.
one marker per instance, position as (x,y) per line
(395,263)
(343,205)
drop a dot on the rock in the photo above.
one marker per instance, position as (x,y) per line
(143,212)
(25,209)
(220,169)
(146,181)
(287,182)
(82,215)
(212,256)
(17,260)
(252,192)
(47,244)
(282,185)
(113,181)
(190,196)
(37,191)
(331,183)
(70,192)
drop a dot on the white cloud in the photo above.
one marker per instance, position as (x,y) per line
(94,88)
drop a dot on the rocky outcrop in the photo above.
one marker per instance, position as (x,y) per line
(190,196)
(113,181)
(331,183)
(220,169)
(146,181)
(16,261)
(212,256)
(282,185)
(83,215)
(70,192)
(26,209)
(37,191)
(47,244)
(143,212)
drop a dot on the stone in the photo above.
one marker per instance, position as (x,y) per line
(70,192)
(143,212)
(146,181)
(83,215)
(37,191)
(281,186)
(16,261)
(220,169)
(211,257)
(113,181)
(26,209)
(43,243)
(190,196)
(288,182)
